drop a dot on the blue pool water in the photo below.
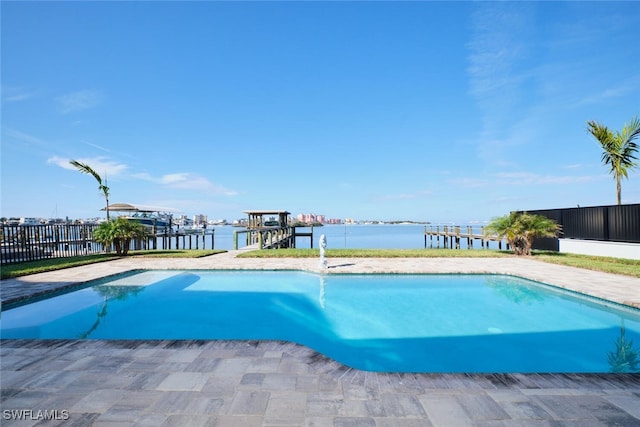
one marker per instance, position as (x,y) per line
(391,322)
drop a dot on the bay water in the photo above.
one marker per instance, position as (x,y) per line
(354,236)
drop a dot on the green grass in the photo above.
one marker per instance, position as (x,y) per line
(627,267)
(606,264)
(177,253)
(43,265)
(375,253)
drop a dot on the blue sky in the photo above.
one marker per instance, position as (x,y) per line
(433,111)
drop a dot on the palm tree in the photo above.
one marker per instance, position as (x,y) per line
(521,229)
(84,168)
(119,232)
(618,149)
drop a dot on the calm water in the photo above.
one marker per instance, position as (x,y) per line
(396,323)
(357,236)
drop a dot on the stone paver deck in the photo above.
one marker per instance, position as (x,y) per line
(268,383)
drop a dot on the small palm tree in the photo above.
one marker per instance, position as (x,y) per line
(521,229)
(84,168)
(119,232)
(618,148)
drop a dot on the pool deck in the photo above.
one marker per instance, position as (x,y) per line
(269,383)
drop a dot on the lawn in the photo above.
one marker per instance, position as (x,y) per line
(606,264)
(376,253)
(40,266)
(627,267)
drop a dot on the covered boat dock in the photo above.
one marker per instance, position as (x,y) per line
(269,229)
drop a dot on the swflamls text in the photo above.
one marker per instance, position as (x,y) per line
(35,415)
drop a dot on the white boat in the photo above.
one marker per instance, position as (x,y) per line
(156,219)
(29,221)
(153,220)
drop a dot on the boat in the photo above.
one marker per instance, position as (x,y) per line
(29,221)
(155,219)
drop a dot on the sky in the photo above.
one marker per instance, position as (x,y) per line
(425,111)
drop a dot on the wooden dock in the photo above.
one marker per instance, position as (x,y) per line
(268,230)
(269,238)
(452,235)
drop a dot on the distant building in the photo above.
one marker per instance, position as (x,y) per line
(182,221)
(199,219)
(310,218)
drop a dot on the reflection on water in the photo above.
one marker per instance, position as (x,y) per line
(625,357)
(108,293)
(322,298)
(514,290)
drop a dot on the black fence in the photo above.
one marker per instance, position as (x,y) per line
(35,242)
(614,223)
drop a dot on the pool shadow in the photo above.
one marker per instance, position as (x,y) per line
(341,265)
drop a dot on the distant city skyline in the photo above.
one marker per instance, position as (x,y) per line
(426,111)
(203,218)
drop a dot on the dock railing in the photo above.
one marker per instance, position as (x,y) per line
(452,235)
(20,243)
(265,238)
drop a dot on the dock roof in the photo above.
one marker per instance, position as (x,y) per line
(128,207)
(266,212)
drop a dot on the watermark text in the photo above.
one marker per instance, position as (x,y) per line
(35,415)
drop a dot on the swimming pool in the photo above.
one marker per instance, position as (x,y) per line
(375,322)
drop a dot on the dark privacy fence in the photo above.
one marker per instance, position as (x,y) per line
(615,223)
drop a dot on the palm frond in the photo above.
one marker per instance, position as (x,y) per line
(619,149)
(84,168)
(630,131)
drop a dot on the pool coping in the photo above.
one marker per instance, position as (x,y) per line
(619,289)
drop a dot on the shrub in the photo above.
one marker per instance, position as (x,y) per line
(520,230)
(119,232)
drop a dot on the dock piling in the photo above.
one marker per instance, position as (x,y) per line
(452,235)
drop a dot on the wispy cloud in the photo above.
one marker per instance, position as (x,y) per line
(17,94)
(99,147)
(502,179)
(101,165)
(19,97)
(527,178)
(23,137)
(593,27)
(497,72)
(402,196)
(495,50)
(188,181)
(470,182)
(621,89)
(78,101)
